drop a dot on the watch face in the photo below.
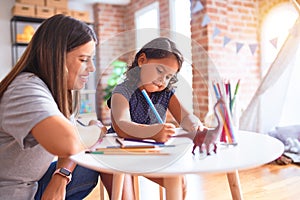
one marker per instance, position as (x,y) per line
(65,171)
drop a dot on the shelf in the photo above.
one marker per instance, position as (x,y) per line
(32,19)
(20,44)
(27,19)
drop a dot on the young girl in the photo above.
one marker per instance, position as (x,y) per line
(154,70)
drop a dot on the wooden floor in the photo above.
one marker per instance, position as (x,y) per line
(271,181)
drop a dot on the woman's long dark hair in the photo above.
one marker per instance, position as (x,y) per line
(45,56)
(158,48)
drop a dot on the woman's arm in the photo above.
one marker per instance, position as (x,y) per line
(56,189)
(124,127)
(58,136)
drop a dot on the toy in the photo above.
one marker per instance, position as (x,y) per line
(204,139)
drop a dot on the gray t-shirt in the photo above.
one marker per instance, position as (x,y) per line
(26,102)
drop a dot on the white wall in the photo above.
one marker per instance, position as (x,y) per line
(5,40)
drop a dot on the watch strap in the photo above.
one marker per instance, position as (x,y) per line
(65,173)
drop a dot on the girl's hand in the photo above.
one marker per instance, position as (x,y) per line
(165,132)
(192,124)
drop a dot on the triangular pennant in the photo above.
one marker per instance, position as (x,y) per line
(205,21)
(252,48)
(274,42)
(216,32)
(197,6)
(239,46)
(226,40)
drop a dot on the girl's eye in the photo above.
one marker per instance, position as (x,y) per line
(159,70)
(169,77)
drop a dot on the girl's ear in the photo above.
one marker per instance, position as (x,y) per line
(142,59)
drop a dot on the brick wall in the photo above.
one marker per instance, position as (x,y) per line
(238,20)
(109,21)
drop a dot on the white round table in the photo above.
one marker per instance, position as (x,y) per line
(253,150)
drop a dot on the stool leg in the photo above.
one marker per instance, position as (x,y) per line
(161,193)
(102,191)
(136,187)
(117,188)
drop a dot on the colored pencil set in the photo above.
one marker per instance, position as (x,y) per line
(223,91)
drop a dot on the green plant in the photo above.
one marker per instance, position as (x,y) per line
(119,67)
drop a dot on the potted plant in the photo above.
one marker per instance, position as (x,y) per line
(119,67)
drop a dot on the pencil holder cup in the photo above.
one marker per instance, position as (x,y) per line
(229,129)
(235,113)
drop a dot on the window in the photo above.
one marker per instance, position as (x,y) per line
(181,26)
(147,24)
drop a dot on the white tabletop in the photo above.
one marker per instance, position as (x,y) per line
(253,150)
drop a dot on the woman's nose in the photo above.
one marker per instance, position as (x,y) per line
(91,67)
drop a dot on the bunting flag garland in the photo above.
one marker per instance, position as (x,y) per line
(274,42)
(206,20)
(226,40)
(239,46)
(197,7)
(216,32)
(252,48)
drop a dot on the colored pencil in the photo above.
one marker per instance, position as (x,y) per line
(133,149)
(234,95)
(144,141)
(229,92)
(125,153)
(216,91)
(152,106)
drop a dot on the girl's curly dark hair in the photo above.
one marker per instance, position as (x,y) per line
(158,48)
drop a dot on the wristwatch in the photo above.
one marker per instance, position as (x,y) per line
(65,173)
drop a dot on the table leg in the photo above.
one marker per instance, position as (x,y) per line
(235,186)
(173,187)
(117,187)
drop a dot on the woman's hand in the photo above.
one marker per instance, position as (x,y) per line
(100,125)
(103,131)
(92,133)
(165,132)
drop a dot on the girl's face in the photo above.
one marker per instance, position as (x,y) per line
(79,65)
(156,73)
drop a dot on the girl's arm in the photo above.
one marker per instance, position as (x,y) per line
(124,127)
(187,121)
(58,136)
